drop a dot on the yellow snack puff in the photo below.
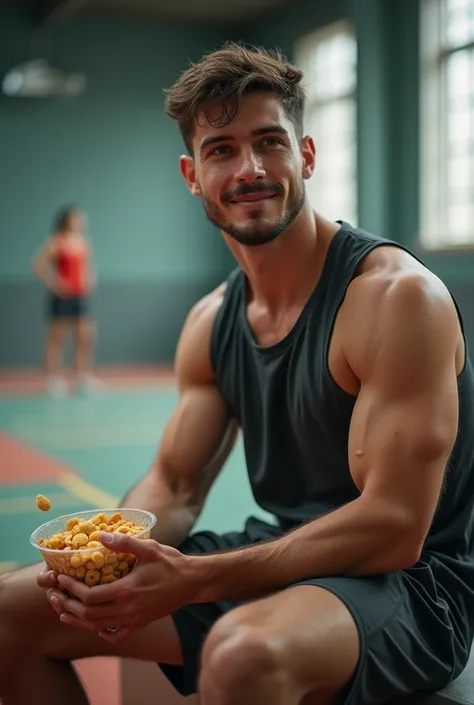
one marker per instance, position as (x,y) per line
(107,570)
(107,579)
(80,540)
(98,559)
(87,527)
(92,577)
(43,503)
(72,523)
(99,518)
(76,561)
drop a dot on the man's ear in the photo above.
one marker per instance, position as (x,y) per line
(188,172)
(308,154)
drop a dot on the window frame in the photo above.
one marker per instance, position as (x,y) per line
(302,50)
(433,236)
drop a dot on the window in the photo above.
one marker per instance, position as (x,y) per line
(447,124)
(328,59)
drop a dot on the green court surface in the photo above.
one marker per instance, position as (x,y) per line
(87,452)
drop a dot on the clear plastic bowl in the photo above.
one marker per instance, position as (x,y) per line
(97,565)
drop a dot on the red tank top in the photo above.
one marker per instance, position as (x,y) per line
(70,262)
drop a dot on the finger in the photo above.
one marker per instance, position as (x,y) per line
(118,591)
(76,622)
(46,578)
(55,601)
(98,624)
(144,549)
(109,611)
(58,600)
(114,637)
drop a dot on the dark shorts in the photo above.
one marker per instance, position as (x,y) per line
(408,641)
(72,307)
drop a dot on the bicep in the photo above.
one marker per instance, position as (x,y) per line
(399,448)
(405,420)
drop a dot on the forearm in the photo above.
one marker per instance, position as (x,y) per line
(357,539)
(175,517)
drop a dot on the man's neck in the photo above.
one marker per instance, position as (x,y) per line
(282,273)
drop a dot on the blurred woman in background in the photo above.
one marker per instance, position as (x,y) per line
(64,265)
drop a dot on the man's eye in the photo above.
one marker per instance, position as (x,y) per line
(222,149)
(271,141)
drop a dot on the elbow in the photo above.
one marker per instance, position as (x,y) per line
(398,543)
(407,556)
(403,551)
(398,535)
(393,557)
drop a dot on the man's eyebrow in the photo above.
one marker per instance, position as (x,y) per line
(267,129)
(270,128)
(213,140)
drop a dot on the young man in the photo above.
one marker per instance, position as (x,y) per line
(342,360)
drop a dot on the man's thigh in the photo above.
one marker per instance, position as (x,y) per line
(405,634)
(27,618)
(379,637)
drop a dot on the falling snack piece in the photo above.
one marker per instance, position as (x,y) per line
(43,503)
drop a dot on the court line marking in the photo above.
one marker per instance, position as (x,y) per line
(6,566)
(82,489)
(76,488)
(27,505)
(89,438)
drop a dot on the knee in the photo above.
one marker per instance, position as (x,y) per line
(238,656)
(56,334)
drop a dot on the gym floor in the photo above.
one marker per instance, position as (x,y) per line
(80,452)
(84,453)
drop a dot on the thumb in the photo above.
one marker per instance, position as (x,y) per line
(143,549)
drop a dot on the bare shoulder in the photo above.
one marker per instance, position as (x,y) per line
(193,361)
(395,298)
(391,276)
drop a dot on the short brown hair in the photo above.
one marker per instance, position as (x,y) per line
(224,76)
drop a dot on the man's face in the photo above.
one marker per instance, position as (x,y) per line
(250,173)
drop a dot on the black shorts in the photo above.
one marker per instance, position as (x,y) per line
(71,307)
(408,640)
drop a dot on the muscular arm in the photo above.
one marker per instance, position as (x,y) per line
(197,440)
(402,432)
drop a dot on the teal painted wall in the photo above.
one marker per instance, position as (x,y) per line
(113,151)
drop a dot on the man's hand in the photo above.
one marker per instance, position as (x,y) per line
(162,581)
(47,578)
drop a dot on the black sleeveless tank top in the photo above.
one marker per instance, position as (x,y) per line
(295,418)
